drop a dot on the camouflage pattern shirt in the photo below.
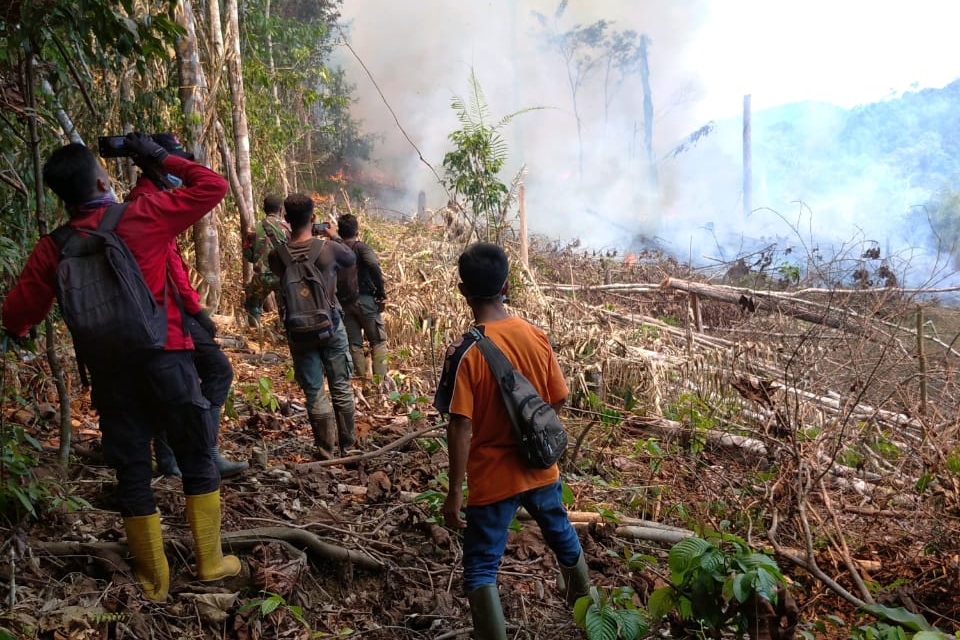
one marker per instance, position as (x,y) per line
(271,232)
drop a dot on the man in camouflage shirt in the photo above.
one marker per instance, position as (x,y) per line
(271,232)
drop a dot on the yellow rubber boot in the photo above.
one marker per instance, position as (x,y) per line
(203,513)
(145,542)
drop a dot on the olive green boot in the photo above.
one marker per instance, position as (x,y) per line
(574,582)
(324,435)
(487,614)
(359,362)
(346,433)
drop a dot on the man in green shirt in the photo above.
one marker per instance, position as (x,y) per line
(271,232)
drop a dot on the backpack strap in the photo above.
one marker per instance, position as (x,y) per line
(62,234)
(283,252)
(111,218)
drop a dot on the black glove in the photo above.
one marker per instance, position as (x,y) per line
(144,148)
(204,320)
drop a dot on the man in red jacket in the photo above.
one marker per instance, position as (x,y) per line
(213,366)
(151,388)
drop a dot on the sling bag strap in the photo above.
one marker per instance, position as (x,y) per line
(502,370)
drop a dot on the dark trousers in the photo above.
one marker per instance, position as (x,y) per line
(216,374)
(156,390)
(213,366)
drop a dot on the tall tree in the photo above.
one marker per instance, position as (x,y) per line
(193,100)
(238,101)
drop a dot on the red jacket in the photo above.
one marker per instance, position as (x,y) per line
(148,226)
(178,270)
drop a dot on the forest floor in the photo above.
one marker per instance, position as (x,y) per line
(356,550)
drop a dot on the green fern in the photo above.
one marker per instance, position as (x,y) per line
(472,168)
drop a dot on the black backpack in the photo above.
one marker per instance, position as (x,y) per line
(536,425)
(308,308)
(103,297)
(348,281)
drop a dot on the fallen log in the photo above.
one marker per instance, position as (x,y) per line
(751,300)
(750,446)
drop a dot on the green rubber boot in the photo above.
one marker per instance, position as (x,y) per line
(574,581)
(487,614)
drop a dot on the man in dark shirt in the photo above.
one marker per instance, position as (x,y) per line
(331,360)
(135,394)
(363,306)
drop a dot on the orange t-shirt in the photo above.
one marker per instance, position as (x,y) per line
(495,469)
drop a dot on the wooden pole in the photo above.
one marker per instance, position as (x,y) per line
(697,317)
(747,159)
(524,245)
(921,363)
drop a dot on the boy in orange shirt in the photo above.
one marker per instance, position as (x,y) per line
(483,447)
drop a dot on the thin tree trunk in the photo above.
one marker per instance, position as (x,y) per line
(193,96)
(56,368)
(281,159)
(241,135)
(747,160)
(647,112)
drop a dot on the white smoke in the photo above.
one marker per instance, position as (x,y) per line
(421,54)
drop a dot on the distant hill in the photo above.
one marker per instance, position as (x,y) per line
(869,174)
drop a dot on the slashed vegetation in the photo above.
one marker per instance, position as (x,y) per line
(743,460)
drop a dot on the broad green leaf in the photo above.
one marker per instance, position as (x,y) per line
(268,605)
(566,494)
(686,554)
(912,621)
(601,623)
(580,610)
(661,602)
(742,586)
(632,624)
(766,584)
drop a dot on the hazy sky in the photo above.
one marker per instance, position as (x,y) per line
(843,51)
(704,56)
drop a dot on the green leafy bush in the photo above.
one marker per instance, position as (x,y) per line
(610,614)
(714,589)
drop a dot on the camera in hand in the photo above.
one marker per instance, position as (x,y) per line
(115,146)
(319,227)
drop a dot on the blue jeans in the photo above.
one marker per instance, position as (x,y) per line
(487,527)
